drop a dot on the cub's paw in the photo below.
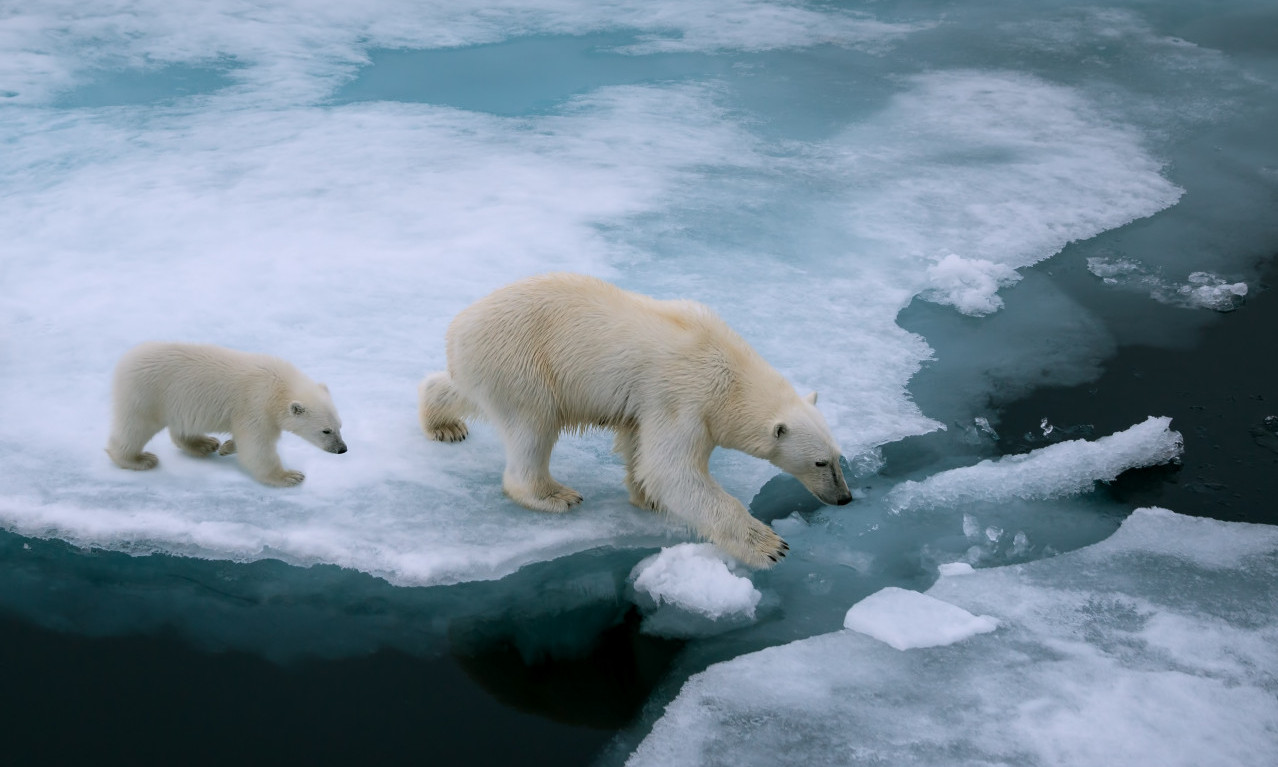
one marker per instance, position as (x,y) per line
(454,431)
(143,462)
(286,478)
(227,448)
(199,446)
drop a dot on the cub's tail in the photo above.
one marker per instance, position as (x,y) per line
(442,408)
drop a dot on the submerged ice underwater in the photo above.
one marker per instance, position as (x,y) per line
(955,222)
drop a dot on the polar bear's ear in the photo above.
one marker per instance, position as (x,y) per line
(811,398)
(779,430)
(324,387)
(296,408)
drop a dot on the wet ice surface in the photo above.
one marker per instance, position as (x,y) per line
(1154,647)
(332,184)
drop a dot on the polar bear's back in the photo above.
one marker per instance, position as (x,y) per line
(586,350)
(197,387)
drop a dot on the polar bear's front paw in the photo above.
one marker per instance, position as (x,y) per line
(563,498)
(285,478)
(227,448)
(761,548)
(453,431)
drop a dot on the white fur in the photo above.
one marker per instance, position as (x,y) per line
(193,389)
(564,351)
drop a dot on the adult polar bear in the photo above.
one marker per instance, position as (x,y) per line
(198,388)
(566,351)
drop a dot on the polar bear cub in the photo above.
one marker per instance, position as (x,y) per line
(565,351)
(196,388)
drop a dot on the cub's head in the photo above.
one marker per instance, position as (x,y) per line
(802,446)
(314,418)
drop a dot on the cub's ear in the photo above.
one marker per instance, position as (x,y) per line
(324,387)
(779,430)
(811,398)
(296,408)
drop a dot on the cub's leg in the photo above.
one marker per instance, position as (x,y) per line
(442,408)
(197,445)
(527,477)
(626,444)
(129,434)
(258,456)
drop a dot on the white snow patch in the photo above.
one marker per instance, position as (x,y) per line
(969,284)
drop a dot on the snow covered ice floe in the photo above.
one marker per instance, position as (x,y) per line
(1058,470)
(1157,646)
(907,619)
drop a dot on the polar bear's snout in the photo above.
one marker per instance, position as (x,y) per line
(825,481)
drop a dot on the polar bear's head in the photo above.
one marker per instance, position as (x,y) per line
(803,446)
(313,417)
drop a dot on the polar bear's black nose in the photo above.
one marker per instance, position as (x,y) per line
(844,500)
(341,448)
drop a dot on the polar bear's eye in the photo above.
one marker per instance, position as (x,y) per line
(822,464)
(327,431)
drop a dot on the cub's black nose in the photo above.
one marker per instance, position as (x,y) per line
(340,449)
(844,500)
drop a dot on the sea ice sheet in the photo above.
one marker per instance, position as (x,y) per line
(1154,647)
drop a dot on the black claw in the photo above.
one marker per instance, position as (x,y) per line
(785,545)
(772,558)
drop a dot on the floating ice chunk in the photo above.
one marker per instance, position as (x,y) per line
(1202,290)
(1111,270)
(907,619)
(688,588)
(968,284)
(1208,291)
(1049,472)
(1153,647)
